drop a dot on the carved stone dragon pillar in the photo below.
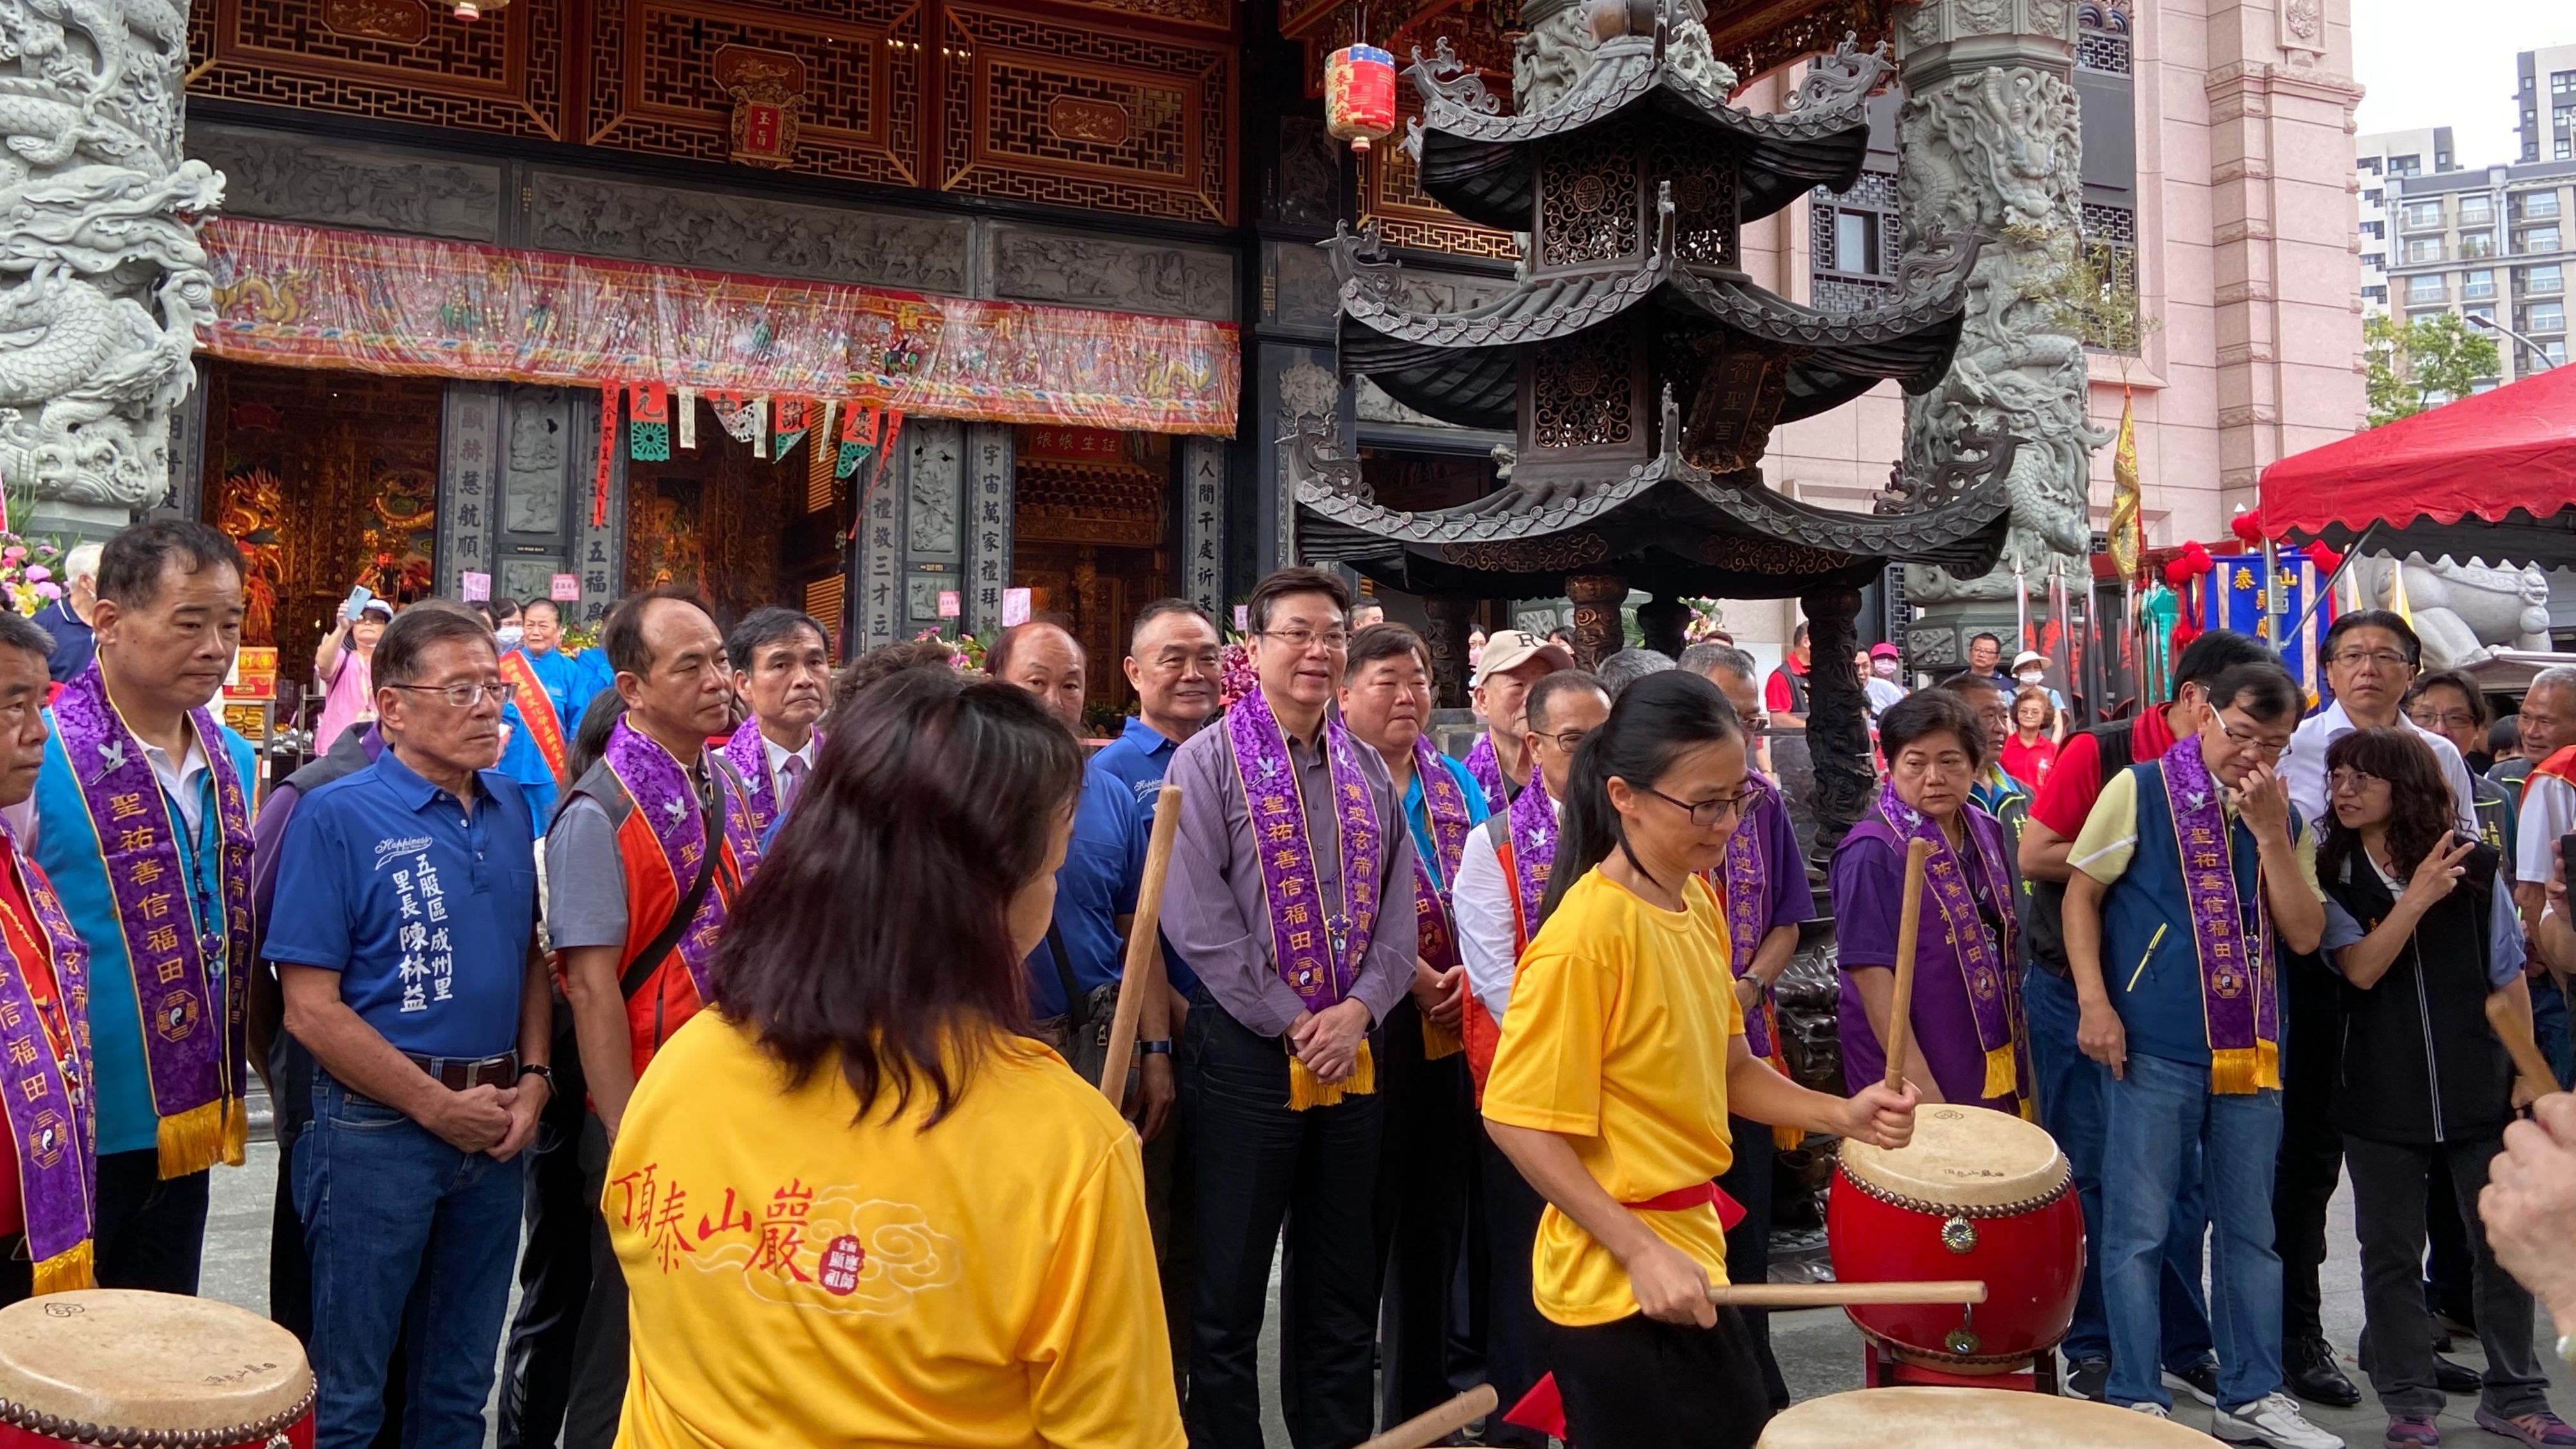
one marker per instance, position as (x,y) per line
(1988,142)
(102,282)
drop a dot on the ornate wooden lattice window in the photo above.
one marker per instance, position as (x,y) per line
(1582,391)
(2102,38)
(2110,241)
(1854,238)
(1704,200)
(1587,190)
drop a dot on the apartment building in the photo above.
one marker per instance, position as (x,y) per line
(2493,244)
(2376,158)
(2545,93)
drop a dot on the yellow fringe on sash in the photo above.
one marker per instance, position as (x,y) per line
(203,1136)
(2240,1070)
(1439,1041)
(1785,1138)
(1305,1089)
(72,1268)
(2001,1079)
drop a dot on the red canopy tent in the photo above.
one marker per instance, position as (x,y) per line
(2492,476)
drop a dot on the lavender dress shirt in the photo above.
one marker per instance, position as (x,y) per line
(1213,913)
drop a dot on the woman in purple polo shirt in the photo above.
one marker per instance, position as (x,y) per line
(1968,1042)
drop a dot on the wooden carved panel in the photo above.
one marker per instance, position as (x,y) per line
(1067,115)
(1088,485)
(1153,15)
(1392,195)
(396,60)
(655,87)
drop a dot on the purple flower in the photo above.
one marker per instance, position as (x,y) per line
(38,573)
(50,591)
(13,553)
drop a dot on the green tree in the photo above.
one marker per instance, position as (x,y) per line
(2423,363)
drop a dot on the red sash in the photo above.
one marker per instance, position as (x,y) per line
(2561,764)
(537,710)
(1477,1028)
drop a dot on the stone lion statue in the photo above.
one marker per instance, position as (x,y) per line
(2463,612)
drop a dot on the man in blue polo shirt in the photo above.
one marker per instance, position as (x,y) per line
(409,972)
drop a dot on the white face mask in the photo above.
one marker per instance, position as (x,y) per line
(2031,676)
(509,636)
(1884,668)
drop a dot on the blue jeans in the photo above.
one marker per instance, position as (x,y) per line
(2070,1107)
(2151,1119)
(2549,1024)
(387,1205)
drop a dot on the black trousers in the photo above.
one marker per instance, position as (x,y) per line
(1421,1214)
(2310,1162)
(1513,1358)
(597,1395)
(1639,1384)
(1262,1166)
(1748,1246)
(150,1234)
(17,1270)
(2450,1266)
(554,1262)
(2388,1184)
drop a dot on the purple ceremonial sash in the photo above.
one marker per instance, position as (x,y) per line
(1446,804)
(1994,995)
(659,786)
(195,1055)
(1487,769)
(48,1096)
(1320,966)
(1747,891)
(761,795)
(1533,852)
(2239,993)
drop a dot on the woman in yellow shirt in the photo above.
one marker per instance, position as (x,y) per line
(1620,1058)
(853,1203)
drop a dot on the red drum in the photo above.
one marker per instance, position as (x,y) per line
(1977,1194)
(149,1371)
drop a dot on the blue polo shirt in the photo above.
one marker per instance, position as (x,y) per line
(425,913)
(566,680)
(1139,758)
(1094,887)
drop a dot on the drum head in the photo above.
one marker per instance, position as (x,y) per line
(1963,1157)
(1987,1418)
(128,1362)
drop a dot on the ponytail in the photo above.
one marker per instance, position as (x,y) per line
(1654,719)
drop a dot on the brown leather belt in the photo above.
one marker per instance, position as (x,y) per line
(457,1074)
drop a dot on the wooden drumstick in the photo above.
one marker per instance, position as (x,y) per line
(1900,1013)
(1430,1424)
(1836,1295)
(1144,970)
(2514,1029)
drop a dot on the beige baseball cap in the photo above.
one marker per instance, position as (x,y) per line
(1512,648)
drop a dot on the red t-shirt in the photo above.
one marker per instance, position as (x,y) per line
(26,945)
(2066,797)
(1776,694)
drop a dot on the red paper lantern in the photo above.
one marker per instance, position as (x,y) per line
(2248,527)
(1359,95)
(2325,559)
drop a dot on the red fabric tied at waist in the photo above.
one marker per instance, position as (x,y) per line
(1683,1199)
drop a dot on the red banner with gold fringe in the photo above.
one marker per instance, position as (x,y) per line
(307,297)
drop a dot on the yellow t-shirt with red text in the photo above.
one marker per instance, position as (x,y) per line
(796,1279)
(1621,1019)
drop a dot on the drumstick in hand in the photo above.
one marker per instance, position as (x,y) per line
(1836,1295)
(2514,1029)
(1430,1424)
(1900,1012)
(1144,970)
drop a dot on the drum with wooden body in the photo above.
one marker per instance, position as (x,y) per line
(1914,1418)
(149,1371)
(1976,1194)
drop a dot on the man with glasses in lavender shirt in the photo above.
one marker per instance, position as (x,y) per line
(1291,896)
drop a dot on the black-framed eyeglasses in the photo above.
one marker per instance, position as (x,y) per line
(463,696)
(1570,741)
(1707,812)
(2388,660)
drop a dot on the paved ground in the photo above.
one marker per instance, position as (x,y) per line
(1818,1351)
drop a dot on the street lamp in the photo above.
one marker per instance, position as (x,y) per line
(2546,361)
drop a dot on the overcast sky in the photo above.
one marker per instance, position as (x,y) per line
(2450,63)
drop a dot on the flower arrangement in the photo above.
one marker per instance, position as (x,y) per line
(1235,674)
(1707,621)
(965,652)
(30,571)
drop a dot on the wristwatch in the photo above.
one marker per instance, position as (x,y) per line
(1154,1048)
(533,1069)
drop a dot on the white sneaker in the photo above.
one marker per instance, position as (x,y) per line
(2152,1411)
(2273,1419)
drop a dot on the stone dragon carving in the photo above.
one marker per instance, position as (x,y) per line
(1995,151)
(102,282)
(1556,49)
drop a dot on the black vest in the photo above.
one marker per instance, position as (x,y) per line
(2420,1064)
(2043,937)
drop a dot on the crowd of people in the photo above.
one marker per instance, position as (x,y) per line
(751,1015)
